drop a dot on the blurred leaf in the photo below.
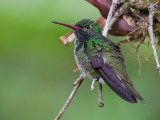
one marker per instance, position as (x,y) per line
(102,5)
(75,69)
(68,38)
(121,27)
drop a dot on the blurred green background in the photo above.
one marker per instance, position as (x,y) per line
(36,69)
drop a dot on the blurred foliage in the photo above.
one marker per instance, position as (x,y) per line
(35,68)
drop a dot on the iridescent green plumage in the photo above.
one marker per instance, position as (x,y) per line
(98,57)
(90,44)
(112,56)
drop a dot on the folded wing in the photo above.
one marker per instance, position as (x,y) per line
(113,80)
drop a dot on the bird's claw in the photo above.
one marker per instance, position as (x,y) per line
(93,82)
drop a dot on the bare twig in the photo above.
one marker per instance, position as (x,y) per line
(111,19)
(70,98)
(78,80)
(152,11)
(139,61)
(93,82)
(137,50)
(107,26)
(100,101)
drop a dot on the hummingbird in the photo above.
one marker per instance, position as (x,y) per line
(99,58)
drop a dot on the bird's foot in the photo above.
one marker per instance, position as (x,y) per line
(93,82)
(100,101)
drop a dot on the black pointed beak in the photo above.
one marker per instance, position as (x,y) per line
(66,25)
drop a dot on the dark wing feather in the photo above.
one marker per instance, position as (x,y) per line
(113,81)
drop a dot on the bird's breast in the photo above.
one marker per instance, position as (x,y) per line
(84,63)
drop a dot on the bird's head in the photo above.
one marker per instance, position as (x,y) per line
(84,28)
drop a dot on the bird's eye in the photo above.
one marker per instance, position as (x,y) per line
(87,26)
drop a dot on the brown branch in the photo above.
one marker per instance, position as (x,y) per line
(152,11)
(137,50)
(137,54)
(80,79)
(139,61)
